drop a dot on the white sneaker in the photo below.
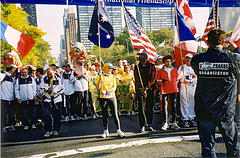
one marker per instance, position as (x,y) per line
(47,134)
(175,126)
(78,118)
(4,130)
(129,113)
(55,133)
(105,134)
(133,113)
(165,126)
(34,127)
(66,118)
(142,129)
(12,128)
(72,118)
(120,133)
(26,128)
(85,117)
(94,116)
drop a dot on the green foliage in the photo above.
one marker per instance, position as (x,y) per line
(17,18)
(118,49)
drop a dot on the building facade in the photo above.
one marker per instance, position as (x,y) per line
(31,10)
(70,30)
(154,18)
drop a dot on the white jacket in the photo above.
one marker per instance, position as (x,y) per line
(57,88)
(7,86)
(81,83)
(68,82)
(25,88)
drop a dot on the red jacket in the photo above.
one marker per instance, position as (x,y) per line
(169,86)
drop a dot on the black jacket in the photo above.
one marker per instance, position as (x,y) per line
(215,96)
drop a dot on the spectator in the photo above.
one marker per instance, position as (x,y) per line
(144,90)
(39,74)
(106,84)
(124,62)
(7,99)
(216,94)
(93,90)
(51,89)
(167,80)
(26,92)
(188,81)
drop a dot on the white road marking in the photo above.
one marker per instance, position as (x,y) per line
(115,146)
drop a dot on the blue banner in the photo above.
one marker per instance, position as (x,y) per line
(133,3)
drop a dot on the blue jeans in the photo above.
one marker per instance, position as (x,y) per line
(52,116)
(228,130)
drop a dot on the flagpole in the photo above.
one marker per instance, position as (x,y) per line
(217,14)
(181,52)
(99,46)
(139,74)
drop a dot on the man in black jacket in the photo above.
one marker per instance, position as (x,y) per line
(215,96)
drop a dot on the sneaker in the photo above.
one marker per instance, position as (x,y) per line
(12,128)
(193,123)
(94,117)
(165,126)
(4,130)
(175,126)
(55,133)
(34,127)
(129,113)
(78,118)
(120,133)
(66,119)
(150,128)
(72,118)
(26,128)
(186,124)
(105,134)
(47,134)
(109,114)
(133,113)
(85,117)
(142,129)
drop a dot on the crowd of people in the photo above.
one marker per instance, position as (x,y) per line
(69,94)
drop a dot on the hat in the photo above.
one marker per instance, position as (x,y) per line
(189,55)
(124,61)
(68,65)
(158,57)
(109,65)
(143,54)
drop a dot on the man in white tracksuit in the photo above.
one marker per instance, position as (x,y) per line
(25,91)
(188,81)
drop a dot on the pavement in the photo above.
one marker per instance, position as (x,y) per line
(82,139)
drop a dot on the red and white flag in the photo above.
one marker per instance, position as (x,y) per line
(212,22)
(138,37)
(236,33)
(186,12)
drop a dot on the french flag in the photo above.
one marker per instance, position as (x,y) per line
(22,43)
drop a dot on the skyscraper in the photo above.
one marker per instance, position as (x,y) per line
(31,10)
(154,18)
(70,29)
(84,16)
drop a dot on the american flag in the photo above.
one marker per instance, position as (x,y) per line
(138,37)
(212,22)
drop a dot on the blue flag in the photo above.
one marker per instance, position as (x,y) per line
(185,32)
(106,30)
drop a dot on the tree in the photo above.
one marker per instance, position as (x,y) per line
(17,18)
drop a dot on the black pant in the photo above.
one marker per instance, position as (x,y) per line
(228,130)
(112,103)
(69,109)
(173,97)
(146,113)
(81,103)
(29,112)
(7,112)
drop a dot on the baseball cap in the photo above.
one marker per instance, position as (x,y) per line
(158,57)
(189,55)
(143,54)
(109,65)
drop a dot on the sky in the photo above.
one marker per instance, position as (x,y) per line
(50,20)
